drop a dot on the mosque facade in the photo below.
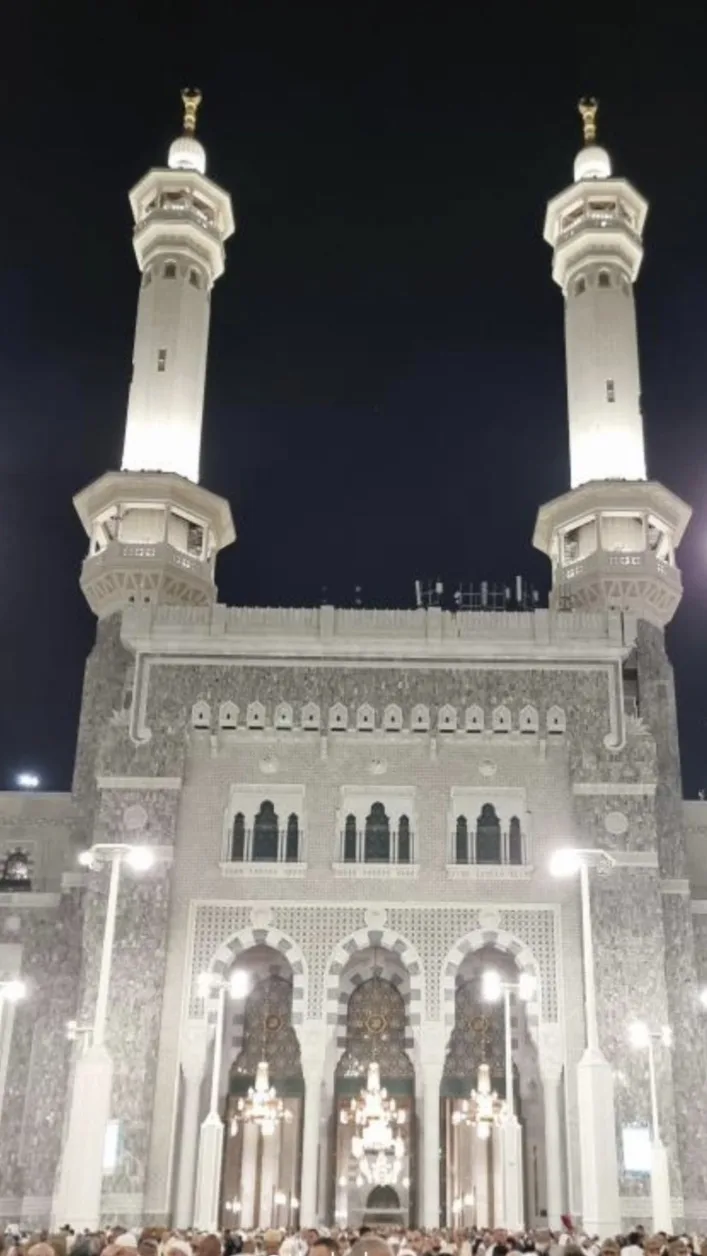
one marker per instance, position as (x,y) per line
(351,817)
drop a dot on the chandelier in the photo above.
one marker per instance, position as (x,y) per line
(376,1145)
(262,1105)
(483,1108)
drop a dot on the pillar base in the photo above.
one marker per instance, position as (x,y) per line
(660,1189)
(208,1174)
(512,1173)
(77,1201)
(601,1212)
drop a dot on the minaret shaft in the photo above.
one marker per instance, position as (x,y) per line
(154,534)
(603,379)
(165,409)
(612,538)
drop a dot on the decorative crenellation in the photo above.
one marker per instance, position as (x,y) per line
(365,719)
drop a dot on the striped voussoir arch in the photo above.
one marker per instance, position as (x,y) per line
(474,941)
(337,990)
(353,977)
(244,940)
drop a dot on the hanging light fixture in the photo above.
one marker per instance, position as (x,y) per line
(483,1108)
(262,1106)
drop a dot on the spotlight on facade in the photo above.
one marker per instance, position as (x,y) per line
(238,984)
(27,780)
(565,863)
(703,996)
(86,858)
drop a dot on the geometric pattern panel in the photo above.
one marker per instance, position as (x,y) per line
(427,932)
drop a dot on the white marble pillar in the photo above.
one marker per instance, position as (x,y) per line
(312,1036)
(431,1079)
(482,1184)
(550,1076)
(193,1064)
(269,1184)
(249,1171)
(512,1217)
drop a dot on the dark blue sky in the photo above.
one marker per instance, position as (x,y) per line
(386,394)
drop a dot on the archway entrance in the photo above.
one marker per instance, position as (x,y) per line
(471,1166)
(383,1207)
(261,1173)
(377,1032)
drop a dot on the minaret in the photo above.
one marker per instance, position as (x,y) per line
(153,532)
(612,539)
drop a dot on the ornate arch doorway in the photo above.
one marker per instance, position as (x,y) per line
(377,1032)
(261,1175)
(471,1166)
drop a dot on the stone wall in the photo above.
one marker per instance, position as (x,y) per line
(48,930)
(658,710)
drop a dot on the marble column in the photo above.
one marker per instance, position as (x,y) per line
(193,1062)
(550,1074)
(431,1079)
(312,1036)
(249,1171)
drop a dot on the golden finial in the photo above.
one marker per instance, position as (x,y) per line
(191,99)
(588,107)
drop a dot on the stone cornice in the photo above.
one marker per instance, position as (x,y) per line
(139,783)
(29,898)
(624,789)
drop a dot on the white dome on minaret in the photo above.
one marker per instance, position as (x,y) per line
(186,153)
(592,161)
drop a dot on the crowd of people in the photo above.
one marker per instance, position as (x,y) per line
(366,1241)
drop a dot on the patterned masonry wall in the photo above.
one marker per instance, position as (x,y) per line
(689,1053)
(137,975)
(37,1080)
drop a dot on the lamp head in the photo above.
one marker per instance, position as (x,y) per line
(491,986)
(140,858)
(565,862)
(12,991)
(639,1035)
(238,984)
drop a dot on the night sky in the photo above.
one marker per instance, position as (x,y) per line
(386,391)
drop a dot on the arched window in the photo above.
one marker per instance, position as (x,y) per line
(604,279)
(515,842)
(265,833)
(238,837)
(170,270)
(194,279)
(377,835)
(488,836)
(16,873)
(292,839)
(350,839)
(580,286)
(404,840)
(461,841)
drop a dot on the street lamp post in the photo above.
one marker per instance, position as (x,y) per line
(601,1211)
(493,988)
(78,1199)
(644,1038)
(210,1158)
